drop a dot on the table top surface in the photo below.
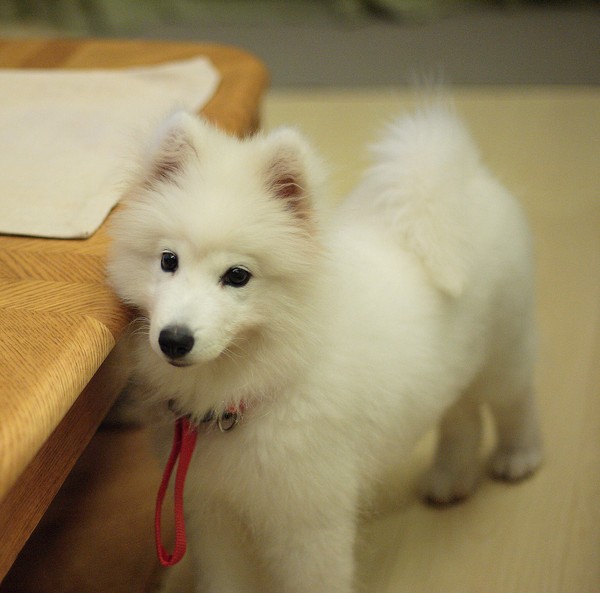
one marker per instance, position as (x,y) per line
(58,319)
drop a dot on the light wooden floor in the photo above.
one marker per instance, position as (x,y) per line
(540,536)
(543,535)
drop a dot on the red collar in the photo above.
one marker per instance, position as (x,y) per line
(228,419)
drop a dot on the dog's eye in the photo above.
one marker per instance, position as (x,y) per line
(169,261)
(236,277)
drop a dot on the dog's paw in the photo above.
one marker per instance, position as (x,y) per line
(440,486)
(512,465)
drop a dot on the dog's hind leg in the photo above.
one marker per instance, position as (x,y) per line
(519,448)
(509,391)
(456,468)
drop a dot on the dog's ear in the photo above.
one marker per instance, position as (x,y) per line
(170,150)
(290,170)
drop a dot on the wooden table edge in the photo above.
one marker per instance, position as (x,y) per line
(234,108)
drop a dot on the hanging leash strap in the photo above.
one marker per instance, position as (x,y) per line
(184,442)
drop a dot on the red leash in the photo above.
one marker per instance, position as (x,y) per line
(184,442)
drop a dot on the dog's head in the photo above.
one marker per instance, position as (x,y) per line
(217,238)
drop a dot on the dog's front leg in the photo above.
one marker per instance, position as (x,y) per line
(179,578)
(312,558)
(222,556)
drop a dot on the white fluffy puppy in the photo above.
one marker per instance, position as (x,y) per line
(339,341)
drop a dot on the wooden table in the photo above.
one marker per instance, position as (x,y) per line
(58,320)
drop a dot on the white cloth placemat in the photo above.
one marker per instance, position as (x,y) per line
(65,136)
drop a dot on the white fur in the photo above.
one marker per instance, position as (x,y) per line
(412,305)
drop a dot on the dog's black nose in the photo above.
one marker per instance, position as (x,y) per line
(176,341)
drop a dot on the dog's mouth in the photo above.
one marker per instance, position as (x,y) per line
(180,364)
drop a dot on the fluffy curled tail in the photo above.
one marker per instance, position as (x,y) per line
(422,185)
